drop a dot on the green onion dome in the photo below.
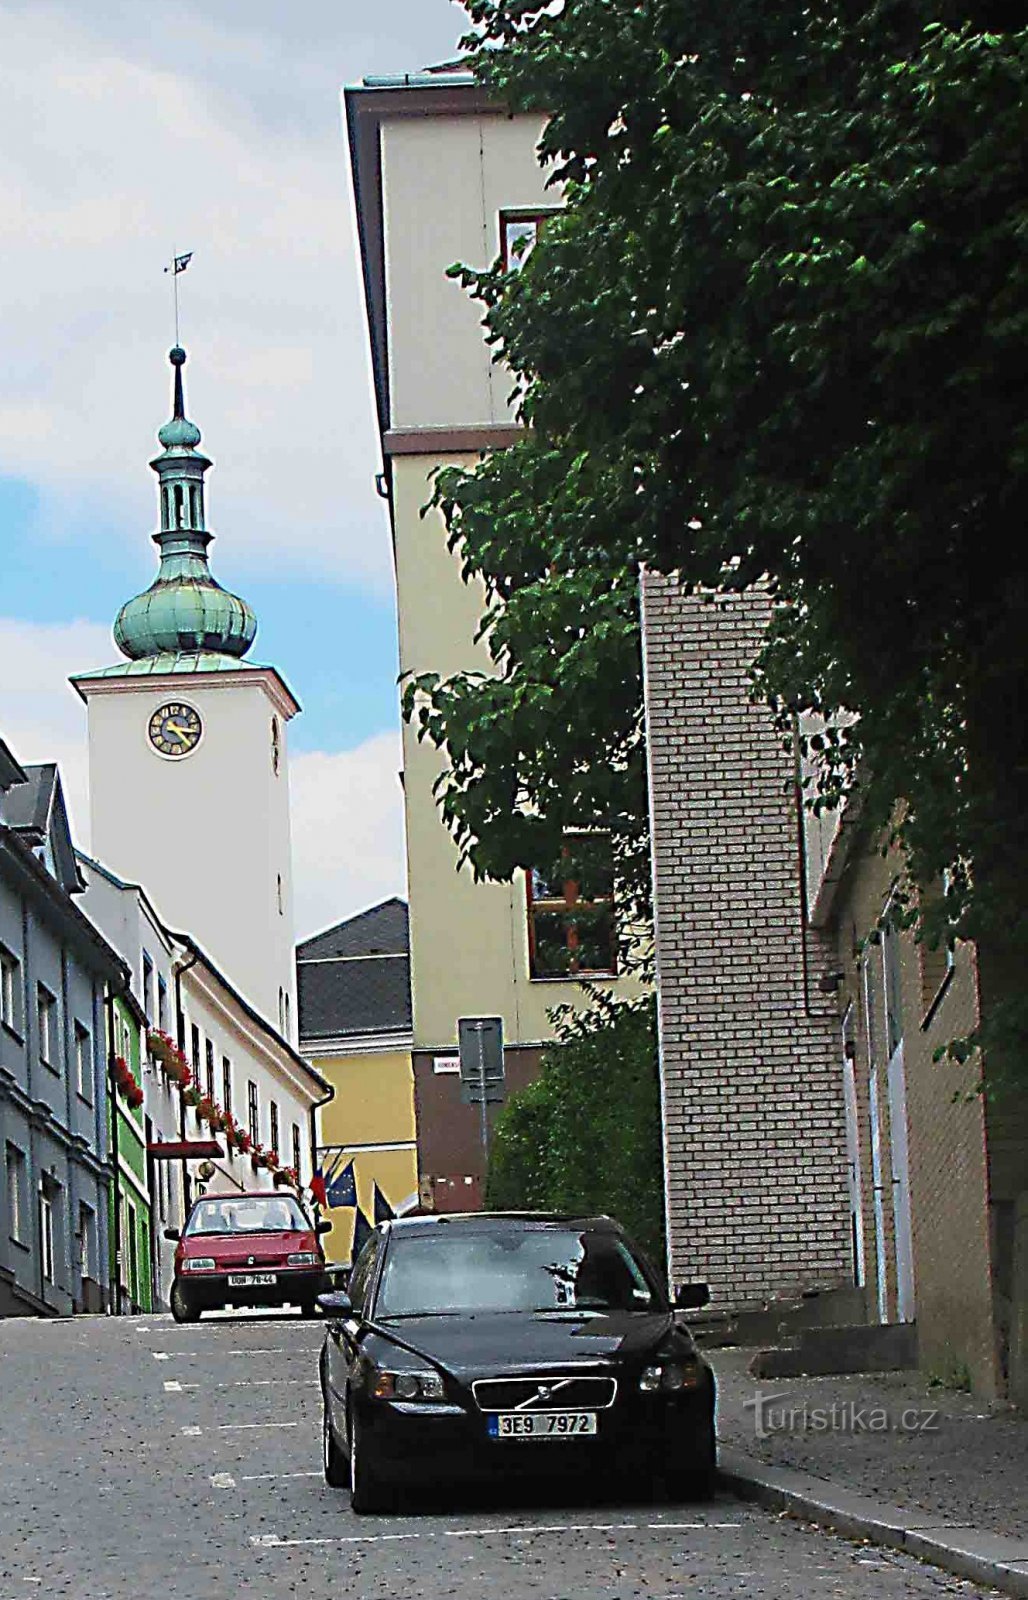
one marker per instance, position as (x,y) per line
(184,609)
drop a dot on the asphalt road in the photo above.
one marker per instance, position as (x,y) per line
(140,1460)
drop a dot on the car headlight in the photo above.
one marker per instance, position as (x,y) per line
(407,1386)
(301,1258)
(198,1264)
(670,1376)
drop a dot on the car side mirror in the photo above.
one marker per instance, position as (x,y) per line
(172,1233)
(336,1303)
(690,1296)
(324,1226)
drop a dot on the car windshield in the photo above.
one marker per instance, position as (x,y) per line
(530,1269)
(248,1214)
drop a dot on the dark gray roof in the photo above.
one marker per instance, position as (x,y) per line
(10,771)
(354,979)
(358,997)
(36,812)
(382,930)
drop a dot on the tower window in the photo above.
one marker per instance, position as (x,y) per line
(194,501)
(180,509)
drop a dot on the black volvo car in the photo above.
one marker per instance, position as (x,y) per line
(510,1343)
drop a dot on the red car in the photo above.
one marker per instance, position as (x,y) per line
(247,1250)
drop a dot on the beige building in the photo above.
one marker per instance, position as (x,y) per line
(938,1174)
(441,175)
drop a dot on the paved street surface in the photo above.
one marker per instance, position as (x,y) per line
(140,1460)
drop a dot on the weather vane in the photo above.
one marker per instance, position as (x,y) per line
(178,264)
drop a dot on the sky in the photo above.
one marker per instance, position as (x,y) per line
(128,134)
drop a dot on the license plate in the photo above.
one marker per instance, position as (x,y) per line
(540,1424)
(243,1280)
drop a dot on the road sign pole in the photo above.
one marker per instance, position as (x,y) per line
(485,1115)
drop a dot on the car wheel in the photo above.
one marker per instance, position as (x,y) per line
(368,1492)
(337,1468)
(182,1308)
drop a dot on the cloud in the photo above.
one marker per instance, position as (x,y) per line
(41,716)
(347,805)
(217,131)
(347,822)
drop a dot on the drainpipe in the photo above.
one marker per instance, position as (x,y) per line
(313,1115)
(801,861)
(112,1090)
(179,967)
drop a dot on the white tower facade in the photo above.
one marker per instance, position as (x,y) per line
(188,768)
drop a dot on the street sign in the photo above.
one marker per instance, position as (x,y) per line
(480,1043)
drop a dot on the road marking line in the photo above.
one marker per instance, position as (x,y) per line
(222,1480)
(254,1383)
(255,1477)
(233,1427)
(172,1386)
(192,1432)
(274,1541)
(160,1355)
(274,1350)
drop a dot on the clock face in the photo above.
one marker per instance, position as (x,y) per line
(175,729)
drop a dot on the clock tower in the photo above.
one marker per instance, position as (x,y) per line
(188,785)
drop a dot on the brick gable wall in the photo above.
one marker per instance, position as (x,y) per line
(755,1153)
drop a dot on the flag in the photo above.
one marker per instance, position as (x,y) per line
(362,1231)
(383,1211)
(180,264)
(317,1188)
(342,1188)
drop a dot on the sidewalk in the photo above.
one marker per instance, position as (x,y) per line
(946,1479)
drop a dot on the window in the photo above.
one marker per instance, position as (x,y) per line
(891,978)
(278,894)
(147,986)
(84,1062)
(210,1069)
(162,1004)
(226,1084)
(273,1125)
(518,232)
(48,1190)
(46,1011)
(194,1048)
(276,746)
(9,990)
(571,928)
(16,1177)
(86,1237)
(296,1148)
(287,1012)
(253,1112)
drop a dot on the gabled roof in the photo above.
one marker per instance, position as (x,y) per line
(353,980)
(10,771)
(36,812)
(381,930)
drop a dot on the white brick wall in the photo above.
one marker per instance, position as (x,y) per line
(751,1067)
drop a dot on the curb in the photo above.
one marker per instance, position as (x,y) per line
(999,1560)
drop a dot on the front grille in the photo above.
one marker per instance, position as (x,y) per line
(547,1392)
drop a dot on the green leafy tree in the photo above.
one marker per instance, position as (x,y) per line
(777,335)
(585,1136)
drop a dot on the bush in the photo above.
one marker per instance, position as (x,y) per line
(586,1135)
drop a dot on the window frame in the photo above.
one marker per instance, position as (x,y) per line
(253,1111)
(273,1126)
(512,215)
(10,991)
(83,1061)
(554,906)
(46,1008)
(16,1167)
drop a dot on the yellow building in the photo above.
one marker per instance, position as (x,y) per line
(353,984)
(441,174)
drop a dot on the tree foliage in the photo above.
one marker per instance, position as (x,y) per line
(777,334)
(585,1136)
